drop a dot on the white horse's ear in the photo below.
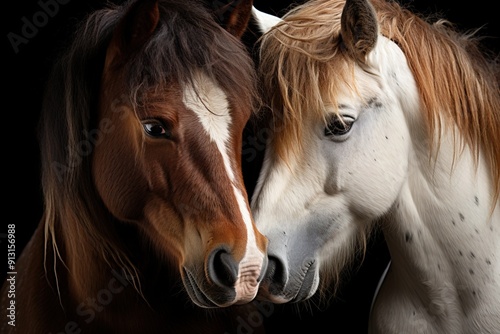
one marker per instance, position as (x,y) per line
(264,21)
(359,28)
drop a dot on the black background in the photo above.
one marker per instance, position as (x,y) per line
(25,72)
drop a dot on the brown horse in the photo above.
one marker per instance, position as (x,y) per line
(146,225)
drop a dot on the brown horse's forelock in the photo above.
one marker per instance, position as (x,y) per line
(185,41)
(189,40)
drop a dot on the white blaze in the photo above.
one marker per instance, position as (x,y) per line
(209,102)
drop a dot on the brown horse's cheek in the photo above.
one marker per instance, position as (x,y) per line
(166,229)
(118,173)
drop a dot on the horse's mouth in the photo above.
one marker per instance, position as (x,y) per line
(308,284)
(200,297)
(299,290)
(195,293)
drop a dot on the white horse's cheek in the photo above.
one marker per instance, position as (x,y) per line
(376,177)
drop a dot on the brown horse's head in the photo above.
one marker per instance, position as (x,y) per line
(163,152)
(177,91)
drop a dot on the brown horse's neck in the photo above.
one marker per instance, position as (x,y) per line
(97,289)
(110,304)
(112,257)
(95,255)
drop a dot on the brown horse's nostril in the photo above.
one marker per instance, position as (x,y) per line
(222,268)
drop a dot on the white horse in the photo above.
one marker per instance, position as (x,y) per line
(382,119)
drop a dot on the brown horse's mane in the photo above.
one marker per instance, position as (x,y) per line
(458,81)
(186,41)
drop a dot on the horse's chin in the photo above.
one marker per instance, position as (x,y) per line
(297,292)
(195,293)
(205,296)
(309,285)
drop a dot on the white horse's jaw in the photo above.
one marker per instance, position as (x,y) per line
(265,21)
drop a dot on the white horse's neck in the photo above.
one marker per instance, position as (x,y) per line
(445,244)
(443,238)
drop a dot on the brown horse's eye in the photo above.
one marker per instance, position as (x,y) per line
(156,129)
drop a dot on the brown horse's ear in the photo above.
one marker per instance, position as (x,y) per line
(233,15)
(359,28)
(134,29)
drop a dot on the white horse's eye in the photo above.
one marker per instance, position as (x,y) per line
(156,129)
(339,126)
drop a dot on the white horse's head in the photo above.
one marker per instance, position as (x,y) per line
(350,143)
(337,163)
